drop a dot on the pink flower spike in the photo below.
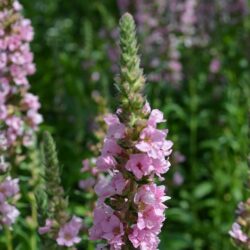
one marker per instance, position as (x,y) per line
(130,208)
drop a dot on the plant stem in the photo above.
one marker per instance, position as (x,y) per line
(8,239)
(33,243)
(193,125)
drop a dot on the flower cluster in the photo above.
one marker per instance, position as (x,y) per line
(9,188)
(166,27)
(130,207)
(142,161)
(19,116)
(149,199)
(240,228)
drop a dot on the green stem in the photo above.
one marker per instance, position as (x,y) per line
(193,124)
(8,239)
(33,242)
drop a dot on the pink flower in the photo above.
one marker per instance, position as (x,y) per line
(178,179)
(3,60)
(140,165)
(178,157)
(26,30)
(3,141)
(17,58)
(45,229)
(13,42)
(161,166)
(104,163)
(8,214)
(175,66)
(155,117)
(151,141)
(236,233)
(107,158)
(106,188)
(34,118)
(146,108)
(145,239)
(85,166)
(110,147)
(215,66)
(17,72)
(107,226)
(150,218)
(3,112)
(16,124)
(4,88)
(68,233)
(28,138)
(1,32)
(88,183)
(8,188)
(151,194)
(31,101)
(3,165)
(17,6)
(116,130)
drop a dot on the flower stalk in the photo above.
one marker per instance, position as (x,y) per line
(240,231)
(58,230)
(130,209)
(19,117)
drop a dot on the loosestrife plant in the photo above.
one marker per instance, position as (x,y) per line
(9,190)
(130,209)
(19,117)
(58,229)
(240,231)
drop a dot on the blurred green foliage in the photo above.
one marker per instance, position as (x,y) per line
(207,117)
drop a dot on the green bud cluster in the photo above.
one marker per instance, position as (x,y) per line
(130,82)
(57,203)
(50,196)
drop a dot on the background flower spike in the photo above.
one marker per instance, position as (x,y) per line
(58,230)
